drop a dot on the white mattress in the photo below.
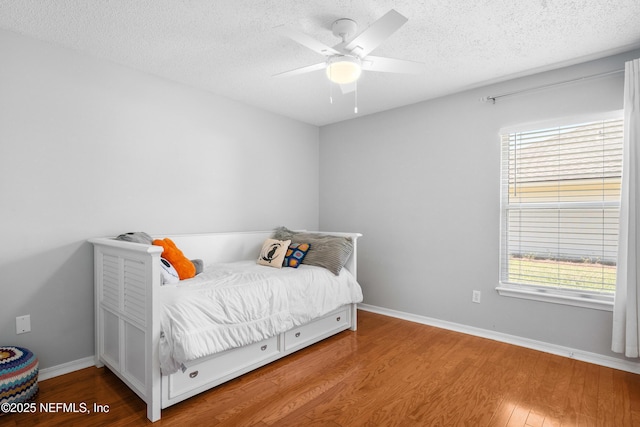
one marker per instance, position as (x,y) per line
(234,304)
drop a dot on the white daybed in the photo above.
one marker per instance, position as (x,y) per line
(128,317)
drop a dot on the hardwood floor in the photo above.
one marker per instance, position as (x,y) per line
(389,373)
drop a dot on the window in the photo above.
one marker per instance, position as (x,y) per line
(560,206)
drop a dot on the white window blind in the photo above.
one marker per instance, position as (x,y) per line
(560,207)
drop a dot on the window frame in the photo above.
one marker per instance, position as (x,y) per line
(578,297)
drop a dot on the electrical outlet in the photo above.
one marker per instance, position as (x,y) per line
(23,324)
(476,297)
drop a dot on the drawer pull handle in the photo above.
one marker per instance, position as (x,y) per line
(193,374)
(263,348)
(297,334)
(338,319)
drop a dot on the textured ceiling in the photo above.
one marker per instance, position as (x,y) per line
(230,47)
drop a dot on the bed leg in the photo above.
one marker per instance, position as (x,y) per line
(153,412)
(354,317)
(96,360)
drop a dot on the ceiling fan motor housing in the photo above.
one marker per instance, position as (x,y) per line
(344,28)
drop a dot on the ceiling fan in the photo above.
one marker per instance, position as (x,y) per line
(345,61)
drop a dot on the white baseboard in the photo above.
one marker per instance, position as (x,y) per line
(65,368)
(585,356)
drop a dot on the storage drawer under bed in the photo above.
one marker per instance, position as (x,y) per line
(221,365)
(203,374)
(311,332)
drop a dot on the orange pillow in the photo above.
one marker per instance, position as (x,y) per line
(171,253)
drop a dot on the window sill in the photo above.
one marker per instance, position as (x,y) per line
(596,302)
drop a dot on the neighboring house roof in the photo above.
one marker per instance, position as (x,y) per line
(534,156)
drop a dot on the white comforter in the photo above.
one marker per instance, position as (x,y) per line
(234,304)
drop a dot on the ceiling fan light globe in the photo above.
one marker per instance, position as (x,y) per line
(344,70)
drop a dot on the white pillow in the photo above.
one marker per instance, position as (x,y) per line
(273,252)
(169,274)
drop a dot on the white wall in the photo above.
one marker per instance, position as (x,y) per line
(422,184)
(89,148)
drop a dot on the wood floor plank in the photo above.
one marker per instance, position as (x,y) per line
(392,377)
(589,396)
(632,382)
(560,376)
(487,395)
(440,387)
(390,372)
(535,419)
(605,398)
(572,401)
(513,387)
(622,413)
(502,415)
(519,416)
(551,421)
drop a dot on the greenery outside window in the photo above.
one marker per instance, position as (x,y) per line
(560,203)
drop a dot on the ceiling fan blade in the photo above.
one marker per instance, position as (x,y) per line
(378,32)
(348,88)
(307,41)
(302,70)
(390,65)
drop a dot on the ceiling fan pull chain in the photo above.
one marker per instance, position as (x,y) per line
(355,109)
(330,89)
